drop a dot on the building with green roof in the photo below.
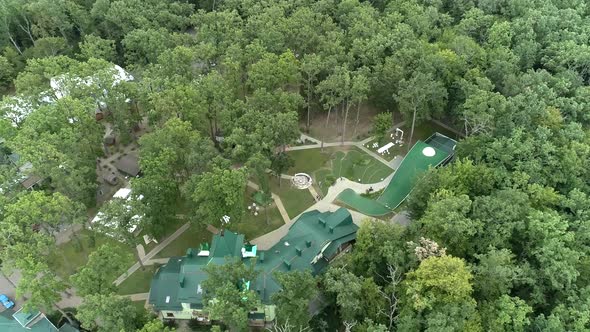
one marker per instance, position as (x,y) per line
(311,243)
(20,321)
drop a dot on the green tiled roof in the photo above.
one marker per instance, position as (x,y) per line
(179,280)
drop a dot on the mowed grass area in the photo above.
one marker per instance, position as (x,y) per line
(421,132)
(327,166)
(68,257)
(191,238)
(139,281)
(295,200)
(268,219)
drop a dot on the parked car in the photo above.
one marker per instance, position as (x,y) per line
(6,302)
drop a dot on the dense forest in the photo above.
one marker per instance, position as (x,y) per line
(499,239)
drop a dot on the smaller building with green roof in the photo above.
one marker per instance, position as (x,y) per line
(311,243)
(36,321)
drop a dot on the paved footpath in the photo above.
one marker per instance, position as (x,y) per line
(152,253)
(138,296)
(267,240)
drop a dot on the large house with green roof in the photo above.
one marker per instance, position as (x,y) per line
(311,243)
(21,321)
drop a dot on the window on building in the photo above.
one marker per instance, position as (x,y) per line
(169,314)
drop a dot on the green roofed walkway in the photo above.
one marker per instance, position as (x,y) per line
(422,156)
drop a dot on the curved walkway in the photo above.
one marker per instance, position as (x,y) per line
(267,240)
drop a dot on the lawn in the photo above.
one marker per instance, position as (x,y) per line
(421,132)
(295,200)
(327,166)
(68,257)
(139,281)
(254,226)
(191,238)
(309,160)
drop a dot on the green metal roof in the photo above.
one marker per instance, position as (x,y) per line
(23,322)
(305,240)
(179,280)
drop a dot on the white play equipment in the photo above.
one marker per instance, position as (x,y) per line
(385,148)
(301,181)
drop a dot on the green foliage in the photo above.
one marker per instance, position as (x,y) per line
(6,72)
(280,163)
(29,222)
(41,286)
(96,47)
(356,297)
(446,222)
(109,312)
(168,156)
(381,125)
(226,296)
(438,295)
(217,193)
(507,314)
(298,288)
(62,141)
(155,325)
(103,266)
(512,75)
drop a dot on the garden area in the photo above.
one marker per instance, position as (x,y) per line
(421,132)
(327,166)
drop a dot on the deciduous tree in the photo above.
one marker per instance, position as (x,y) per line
(103,266)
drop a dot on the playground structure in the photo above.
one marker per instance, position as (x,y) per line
(435,151)
(398,139)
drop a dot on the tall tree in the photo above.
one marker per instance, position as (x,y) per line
(30,222)
(62,141)
(217,193)
(298,288)
(40,285)
(421,96)
(109,312)
(103,266)
(311,66)
(438,296)
(168,156)
(227,284)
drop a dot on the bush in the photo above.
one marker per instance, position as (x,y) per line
(330,180)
